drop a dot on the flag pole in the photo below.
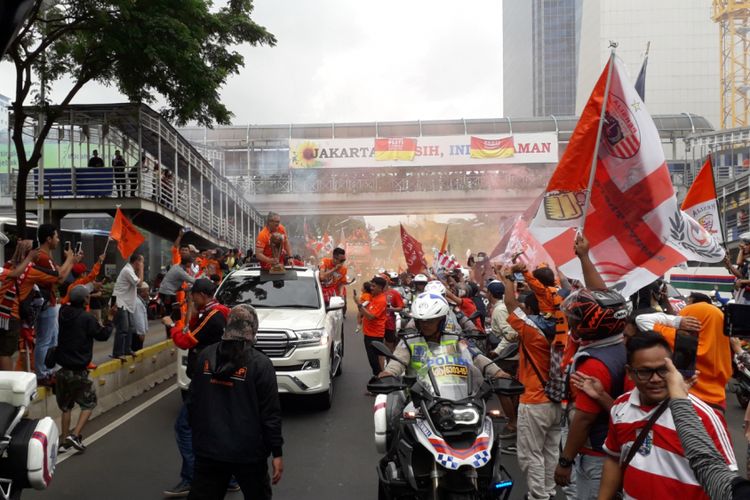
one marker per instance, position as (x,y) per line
(613,46)
(723,212)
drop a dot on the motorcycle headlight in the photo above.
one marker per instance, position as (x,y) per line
(312,337)
(448,418)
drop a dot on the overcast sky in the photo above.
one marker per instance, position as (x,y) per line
(344,60)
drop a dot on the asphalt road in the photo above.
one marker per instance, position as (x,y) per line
(327,455)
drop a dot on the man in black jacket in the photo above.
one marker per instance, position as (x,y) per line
(235,414)
(75,345)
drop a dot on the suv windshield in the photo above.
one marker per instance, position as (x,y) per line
(259,291)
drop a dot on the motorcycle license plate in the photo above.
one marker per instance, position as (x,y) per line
(450,370)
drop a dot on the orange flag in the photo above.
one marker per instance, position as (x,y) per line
(444,246)
(126,235)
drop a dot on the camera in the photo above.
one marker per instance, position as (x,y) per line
(28,447)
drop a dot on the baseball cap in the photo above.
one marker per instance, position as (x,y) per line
(79,294)
(242,323)
(204,285)
(496,289)
(79,269)
(745,237)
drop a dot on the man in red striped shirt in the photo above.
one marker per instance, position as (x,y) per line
(658,469)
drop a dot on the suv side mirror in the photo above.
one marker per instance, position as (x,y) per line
(335,303)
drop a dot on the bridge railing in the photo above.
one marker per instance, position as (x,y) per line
(177,196)
(326,182)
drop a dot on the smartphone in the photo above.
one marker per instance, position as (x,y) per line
(67,246)
(518,276)
(79,248)
(187,229)
(685,351)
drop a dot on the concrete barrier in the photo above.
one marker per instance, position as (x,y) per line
(118,381)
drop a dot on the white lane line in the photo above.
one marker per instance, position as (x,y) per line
(117,423)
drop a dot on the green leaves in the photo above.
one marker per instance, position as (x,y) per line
(180,50)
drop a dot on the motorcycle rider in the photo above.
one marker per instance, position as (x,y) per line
(419,282)
(455,323)
(430,314)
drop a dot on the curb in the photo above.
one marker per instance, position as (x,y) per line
(116,381)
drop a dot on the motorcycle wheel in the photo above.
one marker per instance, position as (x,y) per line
(382,493)
(743,399)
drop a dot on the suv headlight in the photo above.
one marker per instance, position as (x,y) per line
(312,337)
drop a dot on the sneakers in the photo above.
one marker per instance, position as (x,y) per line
(76,442)
(180,491)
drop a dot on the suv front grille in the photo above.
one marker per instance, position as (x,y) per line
(273,344)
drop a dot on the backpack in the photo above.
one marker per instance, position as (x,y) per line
(554,383)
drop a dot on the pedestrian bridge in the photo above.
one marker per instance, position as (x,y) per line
(166,184)
(262,164)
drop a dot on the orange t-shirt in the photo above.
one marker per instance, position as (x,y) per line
(264,244)
(176,257)
(537,345)
(83,280)
(714,357)
(375,327)
(336,279)
(365,297)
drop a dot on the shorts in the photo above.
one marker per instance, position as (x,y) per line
(9,338)
(390,336)
(74,387)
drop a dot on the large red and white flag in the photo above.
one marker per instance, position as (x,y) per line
(700,201)
(634,225)
(523,244)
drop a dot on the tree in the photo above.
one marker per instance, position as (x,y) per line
(179,50)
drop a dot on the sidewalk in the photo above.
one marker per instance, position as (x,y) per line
(156,334)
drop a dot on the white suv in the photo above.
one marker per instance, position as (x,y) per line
(303,338)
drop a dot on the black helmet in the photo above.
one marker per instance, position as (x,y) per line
(595,314)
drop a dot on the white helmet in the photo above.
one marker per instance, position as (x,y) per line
(435,287)
(465,272)
(393,275)
(420,278)
(429,306)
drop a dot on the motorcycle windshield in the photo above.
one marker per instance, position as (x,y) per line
(447,374)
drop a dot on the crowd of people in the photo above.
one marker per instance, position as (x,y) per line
(602,411)
(605,409)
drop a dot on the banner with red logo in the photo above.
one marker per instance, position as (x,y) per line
(492,148)
(395,148)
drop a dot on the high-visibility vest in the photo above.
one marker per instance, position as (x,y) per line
(419,349)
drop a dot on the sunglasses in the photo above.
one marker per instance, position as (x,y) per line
(645,374)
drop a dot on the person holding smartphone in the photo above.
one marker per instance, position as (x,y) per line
(714,353)
(46,324)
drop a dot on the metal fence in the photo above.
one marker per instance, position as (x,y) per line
(176,195)
(354,183)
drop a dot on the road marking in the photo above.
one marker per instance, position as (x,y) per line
(117,423)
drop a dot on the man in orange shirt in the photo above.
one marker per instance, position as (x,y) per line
(82,279)
(373,322)
(333,274)
(538,417)
(263,250)
(714,356)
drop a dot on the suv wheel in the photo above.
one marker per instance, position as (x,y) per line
(340,368)
(324,400)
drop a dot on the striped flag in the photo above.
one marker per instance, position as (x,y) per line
(700,201)
(395,148)
(634,225)
(492,148)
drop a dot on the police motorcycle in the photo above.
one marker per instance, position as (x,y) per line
(435,431)
(28,447)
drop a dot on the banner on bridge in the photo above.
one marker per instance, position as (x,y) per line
(424,151)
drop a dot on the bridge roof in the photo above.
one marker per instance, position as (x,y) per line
(671,127)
